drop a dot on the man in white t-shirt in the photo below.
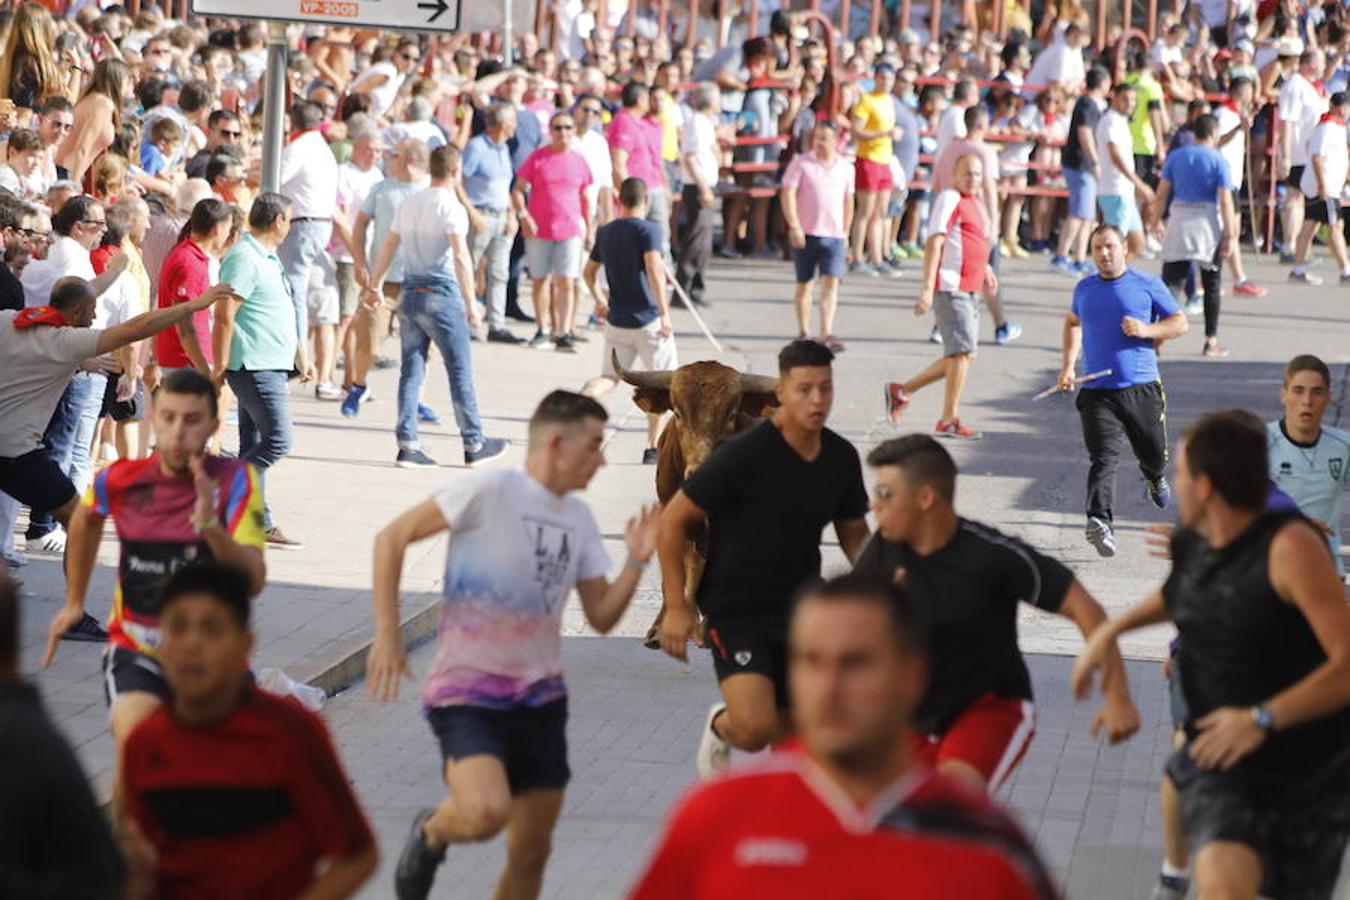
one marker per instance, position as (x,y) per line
(430,228)
(952,123)
(1119,183)
(1234,119)
(1062,62)
(1323,184)
(700,164)
(588,113)
(1301,104)
(356,179)
(520,541)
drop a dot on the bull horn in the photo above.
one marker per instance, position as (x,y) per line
(757,384)
(656,381)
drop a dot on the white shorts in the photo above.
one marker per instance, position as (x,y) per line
(639,349)
(323,297)
(557,258)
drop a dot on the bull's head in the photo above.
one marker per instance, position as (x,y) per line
(709,400)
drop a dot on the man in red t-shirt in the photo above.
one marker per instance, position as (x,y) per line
(188,271)
(231,791)
(849,813)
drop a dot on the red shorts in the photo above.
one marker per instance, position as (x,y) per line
(991,735)
(872,176)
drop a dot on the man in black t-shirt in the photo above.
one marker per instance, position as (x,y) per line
(1080,162)
(636,314)
(976,719)
(766,494)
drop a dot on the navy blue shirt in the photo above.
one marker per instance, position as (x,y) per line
(1197,174)
(1100,304)
(621,247)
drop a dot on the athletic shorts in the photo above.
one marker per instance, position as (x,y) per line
(991,735)
(753,644)
(1328,212)
(638,349)
(1121,212)
(530,741)
(821,254)
(546,258)
(126,671)
(132,410)
(1295,178)
(958,321)
(872,176)
(1298,827)
(1082,194)
(1176,697)
(349,292)
(35,480)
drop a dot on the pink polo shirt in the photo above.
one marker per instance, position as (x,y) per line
(556,182)
(821,190)
(641,137)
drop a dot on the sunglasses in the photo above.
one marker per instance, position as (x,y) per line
(101,223)
(409,57)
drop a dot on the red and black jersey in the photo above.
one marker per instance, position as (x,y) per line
(783,829)
(243,808)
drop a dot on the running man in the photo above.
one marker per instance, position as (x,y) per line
(765,494)
(1322,185)
(976,719)
(495,698)
(955,266)
(177,505)
(852,812)
(1264,666)
(1118,318)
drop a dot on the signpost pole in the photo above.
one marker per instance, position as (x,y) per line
(507,51)
(274,102)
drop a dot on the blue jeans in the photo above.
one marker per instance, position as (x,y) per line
(68,438)
(433,310)
(264,422)
(298,253)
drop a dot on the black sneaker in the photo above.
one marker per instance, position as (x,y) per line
(578,337)
(520,315)
(87,630)
(502,336)
(277,540)
(414,459)
(563,344)
(417,863)
(650,456)
(490,449)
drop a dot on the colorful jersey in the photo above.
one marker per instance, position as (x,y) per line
(965,254)
(152,513)
(1314,475)
(783,829)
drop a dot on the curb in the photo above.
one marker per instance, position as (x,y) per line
(346,671)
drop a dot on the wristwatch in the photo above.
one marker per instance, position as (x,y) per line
(1263,719)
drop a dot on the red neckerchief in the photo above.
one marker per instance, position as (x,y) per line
(1050,116)
(1321,88)
(35,316)
(1230,103)
(1333,118)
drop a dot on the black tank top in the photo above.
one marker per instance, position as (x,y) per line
(1241,643)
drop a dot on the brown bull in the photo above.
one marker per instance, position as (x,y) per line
(709,402)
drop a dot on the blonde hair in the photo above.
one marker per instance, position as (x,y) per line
(109,176)
(29,41)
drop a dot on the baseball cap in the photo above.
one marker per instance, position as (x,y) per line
(1246,47)
(1289,45)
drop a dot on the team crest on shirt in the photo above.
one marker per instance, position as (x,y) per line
(1336,466)
(742,657)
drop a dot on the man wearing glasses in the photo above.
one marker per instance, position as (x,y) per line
(223,132)
(487,175)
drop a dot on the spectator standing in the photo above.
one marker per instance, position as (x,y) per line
(635,147)
(431,227)
(554,221)
(96,117)
(1234,120)
(817,200)
(952,123)
(54,122)
(185,275)
(1301,105)
(30,68)
(487,183)
(700,163)
(1081,161)
(1149,121)
(255,348)
(383,80)
(1120,181)
(1323,184)
(357,177)
(589,115)
(873,121)
(223,132)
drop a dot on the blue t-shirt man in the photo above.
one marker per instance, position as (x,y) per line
(621,247)
(1197,173)
(1100,304)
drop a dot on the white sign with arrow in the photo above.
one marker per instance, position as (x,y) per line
(408,15)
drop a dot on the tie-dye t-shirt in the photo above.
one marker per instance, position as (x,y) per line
(516,551)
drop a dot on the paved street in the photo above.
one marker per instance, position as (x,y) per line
(636,715)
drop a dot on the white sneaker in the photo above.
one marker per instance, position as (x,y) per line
(714,754)
(328,392)
(53,541)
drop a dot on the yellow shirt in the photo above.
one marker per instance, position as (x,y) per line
(670,129)
(1146,90)
(877,112)
(136,269)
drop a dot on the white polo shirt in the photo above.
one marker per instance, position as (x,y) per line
(309,177)
(1301,105)
(65,257)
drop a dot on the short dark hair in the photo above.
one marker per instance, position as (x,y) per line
(216,165)
(633,92)
(1306,362)
(72,211)
(1229,448)
(803,352)
(56,103)
(226,583)
(1105,226)
(306,115)
(9,624)
(207,215)
(1239,81)
(1122,87)
(632,193)
(907,628)
(150,91)
(220,116)
(566,408)
(442,160)
(118,219)
(1204,127)
(24,139)
(1096,77)
(195,95)
(192,383)
(965,90)
(1340,98)
(68,292)
(266,209)
(925,462)
(165,129)
(975,116)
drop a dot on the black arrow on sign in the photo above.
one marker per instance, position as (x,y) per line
(440,6)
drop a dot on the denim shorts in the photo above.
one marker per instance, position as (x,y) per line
(1082,194)
(825,254)
(530,741)
(1121,212)
(546,258)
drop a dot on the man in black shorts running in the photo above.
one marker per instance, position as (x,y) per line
(976,718)
(1264,665)
(766,494)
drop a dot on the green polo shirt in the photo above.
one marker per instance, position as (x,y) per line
(264,325)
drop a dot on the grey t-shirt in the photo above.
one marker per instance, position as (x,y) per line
(35,366)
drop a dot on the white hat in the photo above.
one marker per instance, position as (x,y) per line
(1289,45)
(1246,47)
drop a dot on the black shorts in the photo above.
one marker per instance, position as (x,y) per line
(1295,176)
(751,644)
(125,671)
(35,480)
(1328,212)
(1299,828)
(1176,698)
(530,741)
(132,410)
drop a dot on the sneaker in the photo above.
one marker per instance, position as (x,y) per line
(1247,289)
(1006,333)
(578,337)
(14,559)
(1101,535)
(385,362)
(1017,251)
(87,630)
(935,336)
(53,541)
(954,428)
(352,403)
(328,392)
(714,754)
(1213,349)
(1345,278)
(876,270)
(1152,244)
(1170,887)
(891,267)
(725,252)
(650,456)
(1287,258)
(490,449)
(563,344)
(502,336)
(541,341)
(520,315)
(1158,492)
(1064,264)
(1041,246)
(277,540)
(896,401)
(418,862)
(426,415)
(1305,278)
(835,345)
(414,459)
(1194,307)
(900,251)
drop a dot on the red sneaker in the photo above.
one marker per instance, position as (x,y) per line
(954,428)
(896,401)
(1247,289)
